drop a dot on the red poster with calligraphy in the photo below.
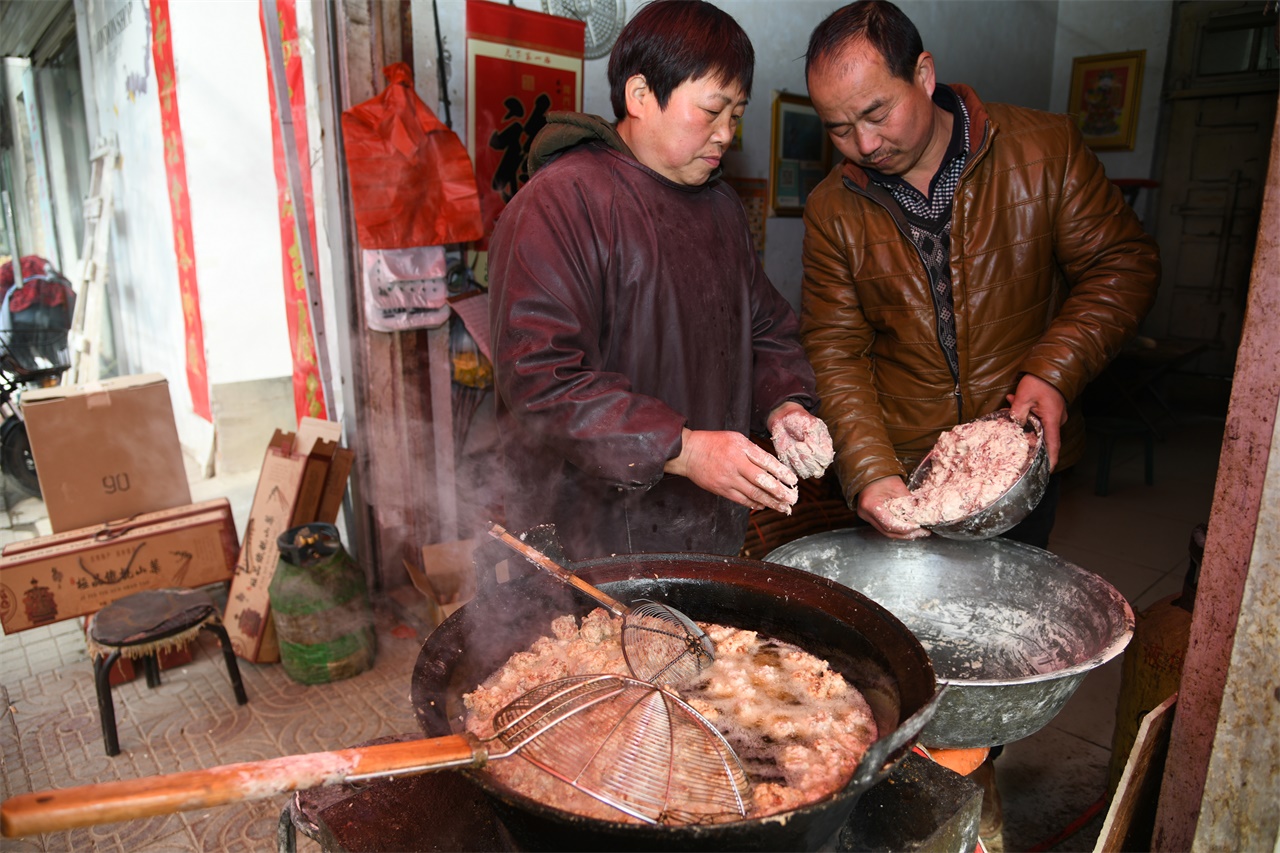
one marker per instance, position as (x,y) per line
(520,66)
(308,395)
(175,168)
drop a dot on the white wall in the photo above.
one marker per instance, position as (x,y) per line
(225,102)
(142,265)
(1126,26)
(223,108)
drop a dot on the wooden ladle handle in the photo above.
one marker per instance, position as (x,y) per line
(544,562)
(108,802)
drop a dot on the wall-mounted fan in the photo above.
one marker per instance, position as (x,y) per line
(604,20)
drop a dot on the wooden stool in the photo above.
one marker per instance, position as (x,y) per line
(143,625)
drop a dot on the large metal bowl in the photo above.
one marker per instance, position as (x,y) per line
(1012,629)
(1012,506)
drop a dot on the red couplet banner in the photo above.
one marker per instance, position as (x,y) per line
(520,66)
(175,168)
(308,395)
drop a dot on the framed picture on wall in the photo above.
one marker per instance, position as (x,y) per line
(799,154)
(1104,98)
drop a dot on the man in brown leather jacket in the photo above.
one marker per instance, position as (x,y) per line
(966,256)
(636,338)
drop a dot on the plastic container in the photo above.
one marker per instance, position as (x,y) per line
(320,605)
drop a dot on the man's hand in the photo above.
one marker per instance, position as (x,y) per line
(1041,399)
(730,465)
(871,508)
(801,440)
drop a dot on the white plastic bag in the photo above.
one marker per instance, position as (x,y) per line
(405,288)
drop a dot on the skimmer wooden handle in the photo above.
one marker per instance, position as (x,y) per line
(541,560)
(107,802)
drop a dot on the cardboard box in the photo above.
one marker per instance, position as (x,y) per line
(248,614)
(106,450)
(80,572)
(113,529)
(447,577)
(299,473)
(335,485)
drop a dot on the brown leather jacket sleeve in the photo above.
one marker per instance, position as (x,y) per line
(1112,268)
(837,339)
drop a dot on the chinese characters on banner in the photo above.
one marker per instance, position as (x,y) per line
(175,169)
(308,396)
(520,66)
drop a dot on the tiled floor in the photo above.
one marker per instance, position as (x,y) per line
(1136,537)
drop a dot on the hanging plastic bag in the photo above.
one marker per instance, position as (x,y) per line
(411,179)
(405,288)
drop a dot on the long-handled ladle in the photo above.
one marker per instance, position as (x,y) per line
(661,644)
(624,742)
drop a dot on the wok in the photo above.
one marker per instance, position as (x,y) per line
(861,640)
(1012,630)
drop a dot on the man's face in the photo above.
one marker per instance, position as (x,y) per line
(875,119)
(685,141)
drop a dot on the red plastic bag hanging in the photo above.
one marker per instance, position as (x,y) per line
(411,179)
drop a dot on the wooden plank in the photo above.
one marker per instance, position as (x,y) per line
(1131,818)
(147,796)
(335,485)
(248,614)
(306,508)
(440,372)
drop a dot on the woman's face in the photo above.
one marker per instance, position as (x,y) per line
(685,141)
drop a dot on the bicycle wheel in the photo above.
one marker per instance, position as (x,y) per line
(16,458)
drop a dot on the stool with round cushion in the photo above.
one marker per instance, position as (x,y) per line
(141,626)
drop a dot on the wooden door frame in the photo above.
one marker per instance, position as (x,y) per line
(386,389)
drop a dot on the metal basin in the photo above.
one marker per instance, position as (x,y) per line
(1012,629)
(1011,507)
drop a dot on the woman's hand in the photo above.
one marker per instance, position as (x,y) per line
(802,441)
(728,464)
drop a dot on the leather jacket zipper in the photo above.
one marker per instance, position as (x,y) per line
(899,223)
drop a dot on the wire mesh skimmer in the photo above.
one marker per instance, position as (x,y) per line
(624,742)
(661,644)
(631,745)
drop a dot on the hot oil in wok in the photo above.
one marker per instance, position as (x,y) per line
(758,749)
(798,727)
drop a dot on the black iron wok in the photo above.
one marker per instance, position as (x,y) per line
(862,640)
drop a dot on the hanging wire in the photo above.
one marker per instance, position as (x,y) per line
(442,68)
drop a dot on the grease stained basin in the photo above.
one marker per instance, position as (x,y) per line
(1012,630)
